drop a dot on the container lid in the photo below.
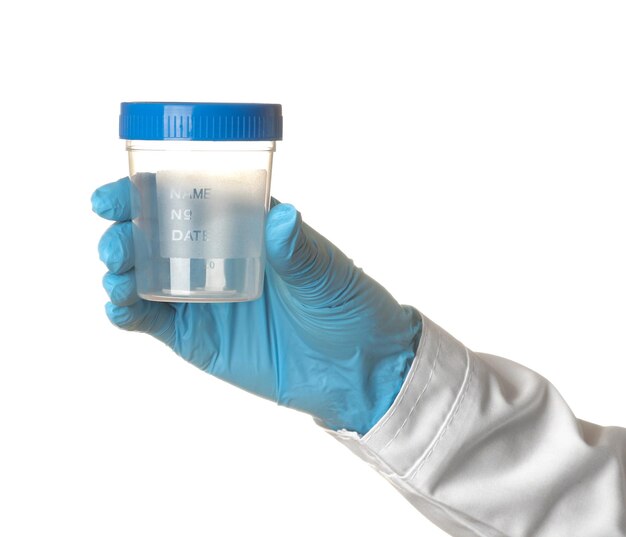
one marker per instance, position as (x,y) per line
(201,121)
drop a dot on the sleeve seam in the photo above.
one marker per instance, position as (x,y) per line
(454,411)
(417,401)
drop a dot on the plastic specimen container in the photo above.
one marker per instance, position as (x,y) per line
(200,175)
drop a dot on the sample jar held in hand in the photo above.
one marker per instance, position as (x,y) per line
(200,175)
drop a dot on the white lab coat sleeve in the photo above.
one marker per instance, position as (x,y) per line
(483,446)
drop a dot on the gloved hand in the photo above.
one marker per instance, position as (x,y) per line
(324,338)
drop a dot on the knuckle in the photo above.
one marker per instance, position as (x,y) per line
(121,316)
(115,248)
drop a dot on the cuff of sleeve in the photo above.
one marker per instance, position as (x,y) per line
(430,397)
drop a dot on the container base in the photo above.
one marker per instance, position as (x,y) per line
(199,297)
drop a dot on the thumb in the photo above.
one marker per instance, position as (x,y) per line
(316,271)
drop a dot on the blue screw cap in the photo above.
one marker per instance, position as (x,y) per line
(201,121)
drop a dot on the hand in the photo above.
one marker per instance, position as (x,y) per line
(324,338)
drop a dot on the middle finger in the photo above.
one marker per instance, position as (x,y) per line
(116,248)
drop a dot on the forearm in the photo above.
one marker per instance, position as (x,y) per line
(485,447)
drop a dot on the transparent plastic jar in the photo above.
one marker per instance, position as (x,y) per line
(200,193)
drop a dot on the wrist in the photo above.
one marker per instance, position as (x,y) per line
(380,380)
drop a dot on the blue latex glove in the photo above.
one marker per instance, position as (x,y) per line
(324,338)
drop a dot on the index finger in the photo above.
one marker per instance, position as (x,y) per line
(112,201)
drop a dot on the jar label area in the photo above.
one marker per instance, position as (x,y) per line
(203,215)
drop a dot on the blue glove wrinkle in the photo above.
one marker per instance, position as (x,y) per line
(116,248)
(281,230)
(304,259)
(112,201)
(196,339)
(342,300)
(307,259)
(233,362)
(337,277)
(331,276)
(154,318)
(121,288)
(121,316)
(159,321)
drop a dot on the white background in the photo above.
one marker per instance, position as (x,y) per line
(469,155)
